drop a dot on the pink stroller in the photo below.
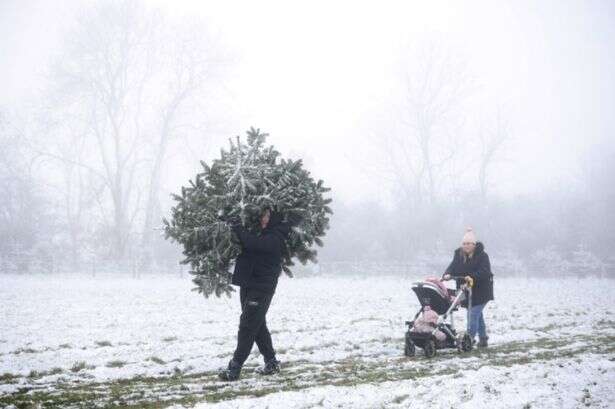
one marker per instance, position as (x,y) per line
(433,325)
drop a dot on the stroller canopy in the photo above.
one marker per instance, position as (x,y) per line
(432,295)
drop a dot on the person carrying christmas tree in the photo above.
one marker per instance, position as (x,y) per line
(471,260)
(241,208)
(256,272)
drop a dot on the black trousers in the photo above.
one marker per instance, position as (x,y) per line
(253,325)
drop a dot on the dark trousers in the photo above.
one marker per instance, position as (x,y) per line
(253,325)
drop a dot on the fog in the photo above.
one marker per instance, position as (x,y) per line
(423,118)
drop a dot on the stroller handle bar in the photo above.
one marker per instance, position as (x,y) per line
(466,287)
(467,280)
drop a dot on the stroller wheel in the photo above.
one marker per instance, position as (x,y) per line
(430,348)
(409,348)
(464,342)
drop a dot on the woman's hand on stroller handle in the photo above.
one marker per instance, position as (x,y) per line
(465,279)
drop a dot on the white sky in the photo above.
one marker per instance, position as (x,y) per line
(316,75)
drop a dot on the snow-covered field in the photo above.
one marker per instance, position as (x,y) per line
(67,341)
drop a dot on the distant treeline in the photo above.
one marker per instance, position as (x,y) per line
(87,166)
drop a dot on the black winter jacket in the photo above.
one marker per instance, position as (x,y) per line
(260,263)
(479,268)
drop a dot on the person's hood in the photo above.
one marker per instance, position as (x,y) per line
(276,224)
(275,219)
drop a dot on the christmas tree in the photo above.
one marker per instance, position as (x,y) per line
(246,179)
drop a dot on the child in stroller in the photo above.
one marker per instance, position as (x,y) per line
(433,325)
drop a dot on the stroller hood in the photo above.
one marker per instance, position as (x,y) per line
(431,295)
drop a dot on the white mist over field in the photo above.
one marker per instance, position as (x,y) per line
(423,118)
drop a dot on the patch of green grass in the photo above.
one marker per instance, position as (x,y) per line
(25,351)
(400,399)
(604,323)
(34,374)
(8,377)
(187,389)
(157,360)
(316,329)
(55,371)
(366,319)
(78,366)
(491,390)
(314,348)
(35,399)
(116,364)
(548,328)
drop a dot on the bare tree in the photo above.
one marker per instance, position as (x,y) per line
(103,75)
(437,84)
(23,225)
(415,153)
(124,82)
(492,137)
(192,62)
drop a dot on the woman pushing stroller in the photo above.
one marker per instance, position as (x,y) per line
(471,260)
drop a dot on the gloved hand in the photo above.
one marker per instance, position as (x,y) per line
(221,215)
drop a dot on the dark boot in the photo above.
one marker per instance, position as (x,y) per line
(271,367)
(482,342)
(231,373)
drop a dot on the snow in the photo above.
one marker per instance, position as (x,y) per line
(527,386)
(340,340)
